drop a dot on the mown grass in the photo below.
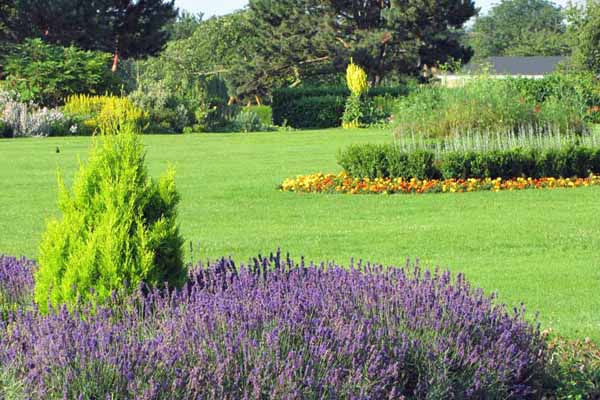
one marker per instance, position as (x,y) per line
(536,247)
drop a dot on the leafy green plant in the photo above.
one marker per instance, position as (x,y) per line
(118,227)
(353,112)
(176,99)
(487,105)
(573,369)
(47,74)
(578,91)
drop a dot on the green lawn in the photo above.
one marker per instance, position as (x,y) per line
(538,247)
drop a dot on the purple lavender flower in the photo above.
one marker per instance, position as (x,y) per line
(275,329)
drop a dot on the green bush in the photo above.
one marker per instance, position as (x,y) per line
(288,103)
(265,113)
(312,112)
(5,130)
(176,99)
(374,161)
(118,228)
(166,113)
(381,160)
(47,74)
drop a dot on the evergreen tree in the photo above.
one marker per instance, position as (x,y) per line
(184,26)
(384,36)
(128,28)
(118,227)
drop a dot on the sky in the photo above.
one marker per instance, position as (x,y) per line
(220,7)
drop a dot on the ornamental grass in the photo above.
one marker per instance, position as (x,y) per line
(275,329)
(344,183)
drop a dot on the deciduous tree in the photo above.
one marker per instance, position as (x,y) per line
(584,29)
(520,28)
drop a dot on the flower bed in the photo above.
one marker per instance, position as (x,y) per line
(276,329)
(344,183)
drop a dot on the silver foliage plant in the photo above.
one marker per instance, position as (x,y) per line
(549,137)
(28,120)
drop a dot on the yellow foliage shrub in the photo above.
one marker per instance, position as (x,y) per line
(105,112)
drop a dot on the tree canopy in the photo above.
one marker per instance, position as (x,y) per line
(584,27)
(520,28)
(383,36)
(130,28)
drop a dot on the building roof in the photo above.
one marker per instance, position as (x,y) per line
(517,65)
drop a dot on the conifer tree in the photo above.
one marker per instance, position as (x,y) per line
(128,28)
(118,227)
(384,36)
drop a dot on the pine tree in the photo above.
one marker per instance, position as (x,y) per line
(128,28)
(385,36)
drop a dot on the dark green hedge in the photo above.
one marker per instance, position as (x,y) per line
(389,161)
(301,107)
(312,112)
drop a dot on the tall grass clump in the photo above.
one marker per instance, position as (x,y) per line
(118,227)
(483,104)
(277,329)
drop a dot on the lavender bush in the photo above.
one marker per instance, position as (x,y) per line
(16,283)
(275,329)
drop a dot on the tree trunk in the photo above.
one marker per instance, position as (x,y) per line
(115,62)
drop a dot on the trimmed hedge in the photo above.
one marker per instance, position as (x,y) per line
(318,107)
(311,112)
(388,161)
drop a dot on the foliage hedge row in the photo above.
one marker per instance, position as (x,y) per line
(319,107)
(373,161)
